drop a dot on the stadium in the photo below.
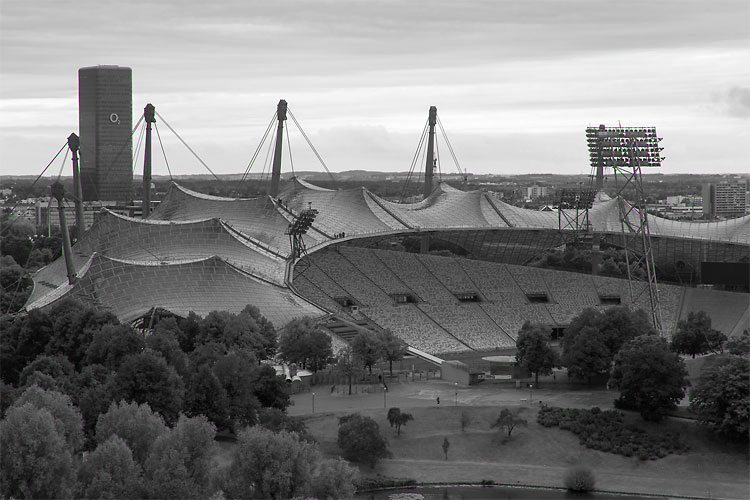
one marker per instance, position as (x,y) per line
(447,274)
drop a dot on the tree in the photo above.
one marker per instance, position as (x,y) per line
(68,421)
(651,379)
(236,372)
(50,372)
(695,335)
(135,424)
(360,440)
(146,378)
(112,344)
(533,351)
(446,445)
(109,471)
(165,343)
(401,419)
(179,464)
(721,398)
(206,396)
(15,285)
(270,465)
(304,343)
(368,348)
(94,393)
(276,420)
(393,414)
(22,339)
(35,461)
(587,355)
(247,330)
(270,389)
(334,479)
(393,348)
(614,326)
(74,328)
(509,419)
(739,344)
(346,364)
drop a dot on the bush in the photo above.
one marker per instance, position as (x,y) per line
(381,482)
(579,480)
(606,431)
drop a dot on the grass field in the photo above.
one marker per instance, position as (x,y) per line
(536,455)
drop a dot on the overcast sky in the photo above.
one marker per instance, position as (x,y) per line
(516,82)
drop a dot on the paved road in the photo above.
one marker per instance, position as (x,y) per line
(425,393)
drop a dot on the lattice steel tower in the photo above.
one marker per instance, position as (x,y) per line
(626,150)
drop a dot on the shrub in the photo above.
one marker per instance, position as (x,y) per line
(579,480)
(606,431)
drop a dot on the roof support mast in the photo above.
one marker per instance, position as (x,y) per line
(58,193)
(429,166)
(148,114)
(276,172)
(74,144)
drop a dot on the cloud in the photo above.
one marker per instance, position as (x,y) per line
(738,102)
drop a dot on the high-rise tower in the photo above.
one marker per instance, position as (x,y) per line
(105,120)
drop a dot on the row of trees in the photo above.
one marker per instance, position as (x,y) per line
(649,373)
(137,455)
(198,366)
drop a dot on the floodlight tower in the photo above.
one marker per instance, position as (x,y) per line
(297,229)
(626,150)
(276,172)
(573,211)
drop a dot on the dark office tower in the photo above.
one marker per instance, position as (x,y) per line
(105,121)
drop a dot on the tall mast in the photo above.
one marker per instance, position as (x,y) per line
(58,192)
(276,172)
(148,114)
(74,144)
(429,167)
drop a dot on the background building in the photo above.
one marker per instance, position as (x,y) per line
(534,192)
(725,199)
(105,121)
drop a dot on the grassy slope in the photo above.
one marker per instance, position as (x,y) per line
(540,456)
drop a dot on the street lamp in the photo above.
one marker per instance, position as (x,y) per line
(456,386)
(313,402)
(531,393)
(385,391)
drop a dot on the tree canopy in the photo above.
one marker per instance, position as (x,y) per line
(305,344)
(360,440)
(694,335)
(533,350)
(651,378)
(721,398)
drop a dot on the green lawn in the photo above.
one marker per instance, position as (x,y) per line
(536,455)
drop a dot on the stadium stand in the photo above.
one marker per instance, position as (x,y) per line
(416,276)
(415,328)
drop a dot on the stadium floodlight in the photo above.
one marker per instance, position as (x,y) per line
(298,228)
(623,147)
(625,150)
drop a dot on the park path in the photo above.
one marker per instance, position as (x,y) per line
(507,472)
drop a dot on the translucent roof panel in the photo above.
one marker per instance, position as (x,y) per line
(445,207)
(259,218)
(341,211)
(130,289)
(127,238)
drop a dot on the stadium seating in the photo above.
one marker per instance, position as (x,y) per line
(415,328)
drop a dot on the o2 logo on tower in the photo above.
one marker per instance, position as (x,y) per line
(114,118)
